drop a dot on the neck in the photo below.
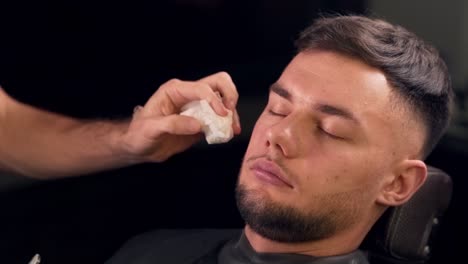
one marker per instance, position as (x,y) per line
(343,242)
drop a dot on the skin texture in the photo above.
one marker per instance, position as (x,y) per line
(332,134)
(46,145)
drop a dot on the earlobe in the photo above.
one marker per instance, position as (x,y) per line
(406,180)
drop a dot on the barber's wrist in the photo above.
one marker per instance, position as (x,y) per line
(121,146)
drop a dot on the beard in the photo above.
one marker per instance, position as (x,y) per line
(284,223)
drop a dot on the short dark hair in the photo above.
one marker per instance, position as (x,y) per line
(413,67)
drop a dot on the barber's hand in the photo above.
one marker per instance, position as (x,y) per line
(157,131)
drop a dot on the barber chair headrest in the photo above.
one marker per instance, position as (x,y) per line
(405,234)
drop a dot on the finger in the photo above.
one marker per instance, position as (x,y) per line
(172,124)
(182,92)
(236,127)
(222,82)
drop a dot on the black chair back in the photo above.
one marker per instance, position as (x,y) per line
(406,234)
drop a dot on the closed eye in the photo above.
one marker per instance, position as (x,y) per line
(333,136)
(271,112)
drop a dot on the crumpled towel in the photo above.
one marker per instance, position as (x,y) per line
(217,129)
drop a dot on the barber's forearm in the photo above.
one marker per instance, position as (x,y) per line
(40,144)
(68,148)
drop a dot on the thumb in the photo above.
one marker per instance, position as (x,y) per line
(176,125)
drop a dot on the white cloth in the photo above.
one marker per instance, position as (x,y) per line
(217,129)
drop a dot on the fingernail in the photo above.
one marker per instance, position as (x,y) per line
(237,122)
(224,110)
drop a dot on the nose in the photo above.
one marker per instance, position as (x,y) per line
(288,137)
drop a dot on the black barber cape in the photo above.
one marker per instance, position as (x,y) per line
(211,246)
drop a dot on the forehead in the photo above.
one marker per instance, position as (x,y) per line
(334,78)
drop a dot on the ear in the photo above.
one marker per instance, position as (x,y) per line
(405,181)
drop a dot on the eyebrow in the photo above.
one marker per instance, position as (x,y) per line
(320,107)
(277,89)
(336,111)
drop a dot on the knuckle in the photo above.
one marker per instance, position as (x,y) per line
(229,83)
(172,82)
(224,75)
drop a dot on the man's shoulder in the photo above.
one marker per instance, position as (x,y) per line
(175,244)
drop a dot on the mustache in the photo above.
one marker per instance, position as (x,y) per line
(269,158)
(255,157)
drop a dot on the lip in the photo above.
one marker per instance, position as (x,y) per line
(267,171)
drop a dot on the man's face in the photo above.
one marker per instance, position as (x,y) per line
(320,149)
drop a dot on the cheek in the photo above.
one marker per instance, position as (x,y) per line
(360,171)
(337,171)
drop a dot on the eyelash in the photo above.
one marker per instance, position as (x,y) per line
(323,131)
(329,135)
(271,112)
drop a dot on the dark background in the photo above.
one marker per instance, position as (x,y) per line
(93,59)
